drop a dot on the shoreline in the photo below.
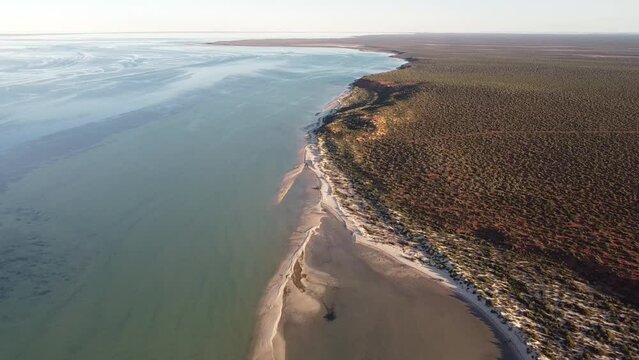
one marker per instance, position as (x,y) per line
(268,342)
(271,305)
(392,246)
(527,299)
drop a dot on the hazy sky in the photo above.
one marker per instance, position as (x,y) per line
(36,16)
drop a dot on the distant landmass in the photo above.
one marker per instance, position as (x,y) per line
(510,161)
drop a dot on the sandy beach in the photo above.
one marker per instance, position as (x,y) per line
(340,294)
(381,309)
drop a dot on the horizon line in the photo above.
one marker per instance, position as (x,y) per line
(330,32)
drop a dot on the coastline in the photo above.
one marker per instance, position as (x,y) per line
(436,205)
(270,310)
(390,243)
(394,245)
(531,298)
(269,342)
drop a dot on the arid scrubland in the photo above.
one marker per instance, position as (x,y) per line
(524,160)
(515,159)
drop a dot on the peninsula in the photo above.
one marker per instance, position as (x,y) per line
(506,166)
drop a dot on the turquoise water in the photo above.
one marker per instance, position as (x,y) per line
(137,179)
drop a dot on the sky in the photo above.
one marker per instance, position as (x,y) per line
(519,16)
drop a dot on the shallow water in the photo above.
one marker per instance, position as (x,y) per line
(137,187)
(381,309)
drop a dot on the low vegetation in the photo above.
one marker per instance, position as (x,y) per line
(528,156)
(512,161)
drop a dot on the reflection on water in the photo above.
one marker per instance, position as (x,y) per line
(137,180)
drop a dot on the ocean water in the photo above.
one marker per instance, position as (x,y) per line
(137,185)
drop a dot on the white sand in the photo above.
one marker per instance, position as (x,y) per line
(269,344)
(391,246)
